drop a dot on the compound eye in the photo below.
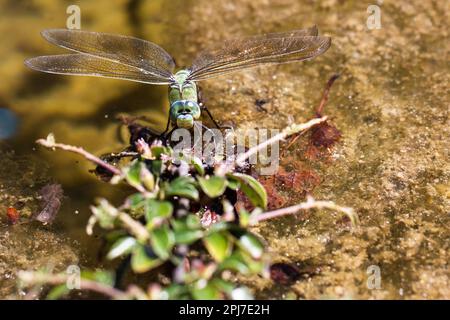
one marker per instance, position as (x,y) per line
(190,105)
(176,108)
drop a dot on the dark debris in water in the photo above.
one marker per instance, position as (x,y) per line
(288,274)
(51,197)
(324,135)
(259,103)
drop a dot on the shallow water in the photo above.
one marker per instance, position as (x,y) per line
(391,105)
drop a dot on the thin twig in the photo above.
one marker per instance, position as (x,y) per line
(50,143)
(326,93)
(134,226)
(319,109)
(292,129)
(31,278)
(309,204)
(295,128)
(130,224)
(123,154)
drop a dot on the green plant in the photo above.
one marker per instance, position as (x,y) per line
(183,219)
(167,222)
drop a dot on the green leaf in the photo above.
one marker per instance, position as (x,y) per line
(57,292)
(252,189)
(175,292)
(235,263)
(135,201)
(255,266)
(141,261)
(205,292)
(219,226)
(115,235)
(187,229)
(121,247)
(156,167)
(241,262)
(244,218)
(233,183)
(147,178)
(219,245)
(213,186)
(187,236)
(105,213)
(102,276)
(179,224)
(193,222)
(157,151)
(136,204)
(222,285)
(198,165)
(157,209)
(162,240)
(133,173)
(252,245)
(183,187)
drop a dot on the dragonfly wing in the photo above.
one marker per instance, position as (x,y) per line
(130,51)
(271,48)
(311,31)
(87,65)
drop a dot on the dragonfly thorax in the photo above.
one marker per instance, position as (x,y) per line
(184,108)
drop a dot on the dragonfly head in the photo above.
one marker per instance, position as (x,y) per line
(183,113)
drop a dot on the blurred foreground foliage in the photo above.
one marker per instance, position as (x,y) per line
(183,221)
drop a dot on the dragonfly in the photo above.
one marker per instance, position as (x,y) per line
(129,58)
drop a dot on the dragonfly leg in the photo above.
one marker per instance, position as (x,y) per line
(210,116)
(167,127)
(203,106)
(213,120)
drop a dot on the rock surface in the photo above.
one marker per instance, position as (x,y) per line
(391,105)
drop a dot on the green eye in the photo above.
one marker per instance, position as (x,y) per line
(194,109)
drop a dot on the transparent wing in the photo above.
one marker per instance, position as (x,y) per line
(140,54)
(86,65)
(273,48)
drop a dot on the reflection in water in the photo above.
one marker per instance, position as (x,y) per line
(8,123)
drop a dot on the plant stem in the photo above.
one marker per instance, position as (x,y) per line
(51,144)
(135,227)
(309,204)
(325,95)
(292,129)
(38,278)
